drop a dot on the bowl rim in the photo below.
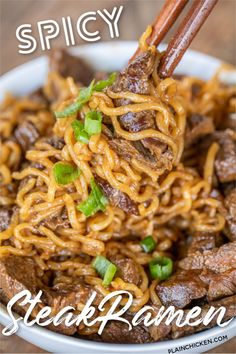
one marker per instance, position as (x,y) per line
(88,344)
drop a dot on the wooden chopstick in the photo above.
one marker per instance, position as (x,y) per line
(166,18)
(187,30)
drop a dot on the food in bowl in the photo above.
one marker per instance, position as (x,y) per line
(138,180)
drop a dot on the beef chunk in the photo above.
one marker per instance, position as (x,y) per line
(228,303)
(39,97)
(228,122)
(62,295)
(138,121)
(68,65)
(202,241)
(180,289)
(132,150)
(136,79)
(17,274)
(127,269)
(5,217)
(219,285)
(218,260)
(197,126)
(230,205)
(56,142)
(225,163)
(26,134)
(118,332)
(117,198)
(56,222)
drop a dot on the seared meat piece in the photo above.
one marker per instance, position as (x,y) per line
(136,79)
(230,215)
(56,142)
(196,127)
(17,274)
(135,122)
(180,289)
(202,241)
(62,295)
(118,332)
(56,222)
(228,122)
(5,217)
(228,303)
(219,285)
(225,163)
(127,269)
(68,65)
(117,198)
(26,134)
(218,260)
(132,150)
(39,97)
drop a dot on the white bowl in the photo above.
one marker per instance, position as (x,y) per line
(109,56)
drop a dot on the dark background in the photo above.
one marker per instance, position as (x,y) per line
(217,37)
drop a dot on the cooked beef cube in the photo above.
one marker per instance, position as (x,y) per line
(127,269)
(132,150)
(26,134)
(218,260)
(180,289)
(202,241)
(68,65)
(117,198)
(225,163)
(56,142)
(160,332)
(5,217)
(136,122)
(197,126)
(136,79)
(55,222)
(17,274)
(230,215)
(228,122)
(118,332)
(62,295)
(228,303)
(219,285)
(39,97)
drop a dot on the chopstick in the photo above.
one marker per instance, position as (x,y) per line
(166,18)
(186,32)
(184,35)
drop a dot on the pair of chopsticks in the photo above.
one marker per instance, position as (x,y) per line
(185,33)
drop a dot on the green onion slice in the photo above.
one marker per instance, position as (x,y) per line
(161,268)
(65,173)
(79,132)
(93,123)
(84,96)
(100,85)
(95,202)
(105,269)
(148,244)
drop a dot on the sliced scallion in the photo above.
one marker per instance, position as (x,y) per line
(161,268)
(148,244)
(93,123)
(95,202)
(105,269)
(65,173)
